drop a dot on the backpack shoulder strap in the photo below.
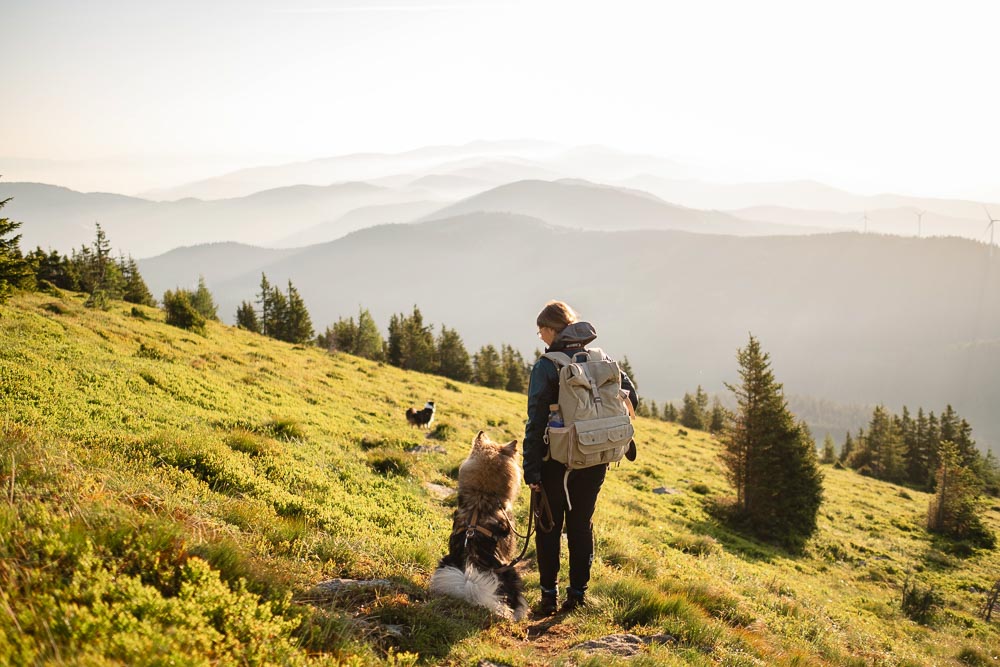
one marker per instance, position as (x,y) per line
(560,359)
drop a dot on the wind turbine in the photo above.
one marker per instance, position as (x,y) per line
(990,226)
(920,215)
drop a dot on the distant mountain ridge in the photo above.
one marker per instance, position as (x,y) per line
(579,204)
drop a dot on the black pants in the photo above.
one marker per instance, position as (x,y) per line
(584,485)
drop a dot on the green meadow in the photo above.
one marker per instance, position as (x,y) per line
(168,498)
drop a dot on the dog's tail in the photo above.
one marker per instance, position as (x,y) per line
(473,585)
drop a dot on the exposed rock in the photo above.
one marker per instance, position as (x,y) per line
(663,489)
(438,490)
(625,644)
(427,449)
(397,631)
(335,586)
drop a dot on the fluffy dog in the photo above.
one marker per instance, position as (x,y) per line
(422,417)
(482,540)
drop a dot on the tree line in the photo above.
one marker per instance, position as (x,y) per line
(907,449)
(411,343)
(91,269)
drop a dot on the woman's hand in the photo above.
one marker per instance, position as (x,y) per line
(535,487)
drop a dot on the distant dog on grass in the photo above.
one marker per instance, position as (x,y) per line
(482,540)
(422,417)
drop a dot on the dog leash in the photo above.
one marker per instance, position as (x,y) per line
(539,511)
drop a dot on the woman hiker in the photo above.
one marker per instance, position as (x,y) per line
(561,330)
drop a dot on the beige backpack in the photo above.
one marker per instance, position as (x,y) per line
(596,412)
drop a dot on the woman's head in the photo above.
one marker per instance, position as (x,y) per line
(555,316)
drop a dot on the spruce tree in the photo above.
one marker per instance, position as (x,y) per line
(769,458)
(105,278)
(654,410)
(847,449)
(701,400)
(954,509)
(691,416)
(180,312)
(368,343)
(394,346)
(297,325)
(246,317)
(488,369)
(829,450)
(341,337)
(14,270)
(135,289)
(626,368)
(264,298)
(670,412)
(418,349)
(514,369)
(917,451)
(453,358)
(203,302)
(718,417)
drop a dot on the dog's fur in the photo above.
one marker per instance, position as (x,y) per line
(489,481)
(422,417)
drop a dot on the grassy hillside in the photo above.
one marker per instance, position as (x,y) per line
(169,498)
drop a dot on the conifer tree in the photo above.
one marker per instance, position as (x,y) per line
(368,343)
(654,410)
(53,268)
(488,369)
(361,339)
(918,451)
(669,412)
(418,350)
(718,417)
(180,312)
(954,508)
(626,368)
(769,458)
(264,298)
(342,336)
(453,358)
(296,324)
(135,289)
(14,270)
(829,450)
(203,302)
(514,369)
(847,449)
(246,317)
(691,416)
(394,346)
(100,275)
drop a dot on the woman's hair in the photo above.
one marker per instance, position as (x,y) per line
(556,315)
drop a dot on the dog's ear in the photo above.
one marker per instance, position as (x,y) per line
(479,438)
(510,449)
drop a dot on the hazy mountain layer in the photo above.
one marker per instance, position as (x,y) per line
(61,218)
(583,205)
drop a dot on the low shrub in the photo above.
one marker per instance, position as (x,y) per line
(443,431)
(920,603)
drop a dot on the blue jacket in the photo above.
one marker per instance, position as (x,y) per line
(543,391)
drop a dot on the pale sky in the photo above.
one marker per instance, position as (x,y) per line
(870,96)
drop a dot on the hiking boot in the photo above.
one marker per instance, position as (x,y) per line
(574,599)
(547,605)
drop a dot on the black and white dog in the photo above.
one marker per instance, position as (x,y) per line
(422,417)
